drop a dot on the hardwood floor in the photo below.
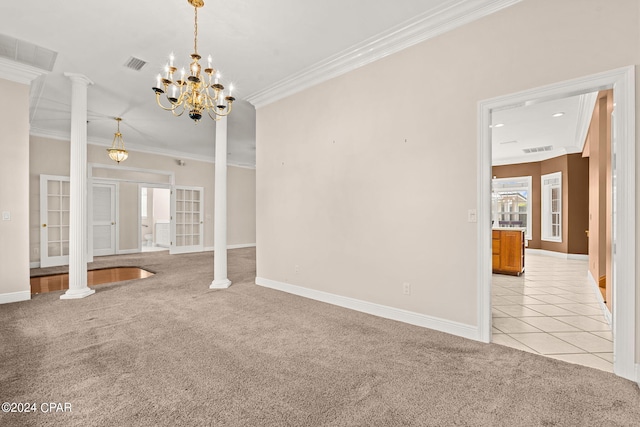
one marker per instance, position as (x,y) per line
(60,282)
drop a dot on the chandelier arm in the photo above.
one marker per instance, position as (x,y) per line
(214,117)
(173,107)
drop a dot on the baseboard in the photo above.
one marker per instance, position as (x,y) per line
(596,289)
(240,246)
(562,255)
(15,297)
(34,264)
(442,325)
(638,374)
(128,251)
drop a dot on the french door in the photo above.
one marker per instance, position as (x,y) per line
(187,225)
(54,220)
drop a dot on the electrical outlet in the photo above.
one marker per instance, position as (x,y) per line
(406,288)
(297,269)
(36,251)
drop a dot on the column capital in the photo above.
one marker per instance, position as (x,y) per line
(80,78)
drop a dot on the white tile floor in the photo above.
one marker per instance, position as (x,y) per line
(552,310)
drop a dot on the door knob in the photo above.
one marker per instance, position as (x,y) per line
(113,223)
(44,225)
(586,232)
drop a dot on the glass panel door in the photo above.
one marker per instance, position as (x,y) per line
(54,220)
(187,219)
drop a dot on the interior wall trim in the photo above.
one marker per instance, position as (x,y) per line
(442,325)
(19,73)
(136,148)
(622,80)
(35,264)
(562,255)
(15,297)
(596,290)
(439,20)
(238,246)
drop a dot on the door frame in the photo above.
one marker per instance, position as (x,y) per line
(116,207)
(622,80)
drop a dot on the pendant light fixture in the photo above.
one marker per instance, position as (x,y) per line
(117,152)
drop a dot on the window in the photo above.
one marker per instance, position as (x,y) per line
(511,204)
(552,207)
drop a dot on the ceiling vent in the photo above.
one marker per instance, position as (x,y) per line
(538,149)
(135,63)
(27,53)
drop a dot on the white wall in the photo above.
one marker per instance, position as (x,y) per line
(14,192)
(358,195)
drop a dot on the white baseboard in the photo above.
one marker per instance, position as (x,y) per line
(128,251)
(638,373)
(34,264)
(240,246)
(553,254)
(15,297)
(443,325)
(596,289)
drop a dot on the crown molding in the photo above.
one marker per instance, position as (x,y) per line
(19,72)
(432,23)
(62,136)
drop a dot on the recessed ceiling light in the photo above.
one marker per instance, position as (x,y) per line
(497,125)
(558,114)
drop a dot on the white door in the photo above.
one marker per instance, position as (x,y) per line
(104,219)
(54,220)
(186,224)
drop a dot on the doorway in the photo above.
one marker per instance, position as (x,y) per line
(623,236)
(155,218)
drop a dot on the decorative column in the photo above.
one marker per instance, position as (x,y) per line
(220,280)
(78,187)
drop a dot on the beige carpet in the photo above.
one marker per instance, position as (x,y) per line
(168,351)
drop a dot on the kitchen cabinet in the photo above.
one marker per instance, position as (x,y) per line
(508,251)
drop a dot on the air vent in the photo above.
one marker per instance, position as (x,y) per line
(27,53)
(538,149)
(135,63)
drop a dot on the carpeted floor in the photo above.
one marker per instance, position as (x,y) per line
(167,351)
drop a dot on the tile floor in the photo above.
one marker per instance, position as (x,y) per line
(552,310)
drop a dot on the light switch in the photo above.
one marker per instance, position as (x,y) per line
(6,216)
(472,215)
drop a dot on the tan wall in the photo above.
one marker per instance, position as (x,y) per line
(128,216)
(600,196)
(51,157)
(355,175)
(14,188)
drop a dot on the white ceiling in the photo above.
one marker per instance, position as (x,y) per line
(533,127)
(260,45)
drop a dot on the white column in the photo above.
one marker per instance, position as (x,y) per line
(220,280)
(78,201)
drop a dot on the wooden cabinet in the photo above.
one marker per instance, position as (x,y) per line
(508,251)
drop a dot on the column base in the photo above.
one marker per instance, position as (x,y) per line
(220,284)
(77,293)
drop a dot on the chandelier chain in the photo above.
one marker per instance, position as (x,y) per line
(195,32)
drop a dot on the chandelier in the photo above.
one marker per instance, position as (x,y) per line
(117,153)
(197,93)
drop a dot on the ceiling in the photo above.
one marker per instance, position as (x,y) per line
(538,131)
(267,49)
